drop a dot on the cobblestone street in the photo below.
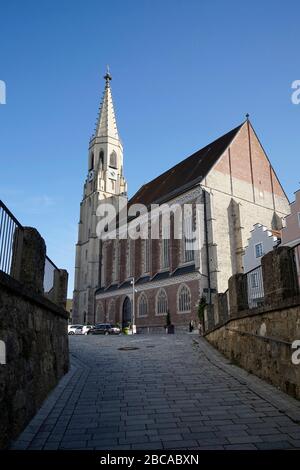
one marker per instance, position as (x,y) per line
(172,392)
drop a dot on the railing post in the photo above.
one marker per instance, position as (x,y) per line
(279,275)
(17,247)
(216,310)
(60,287)
(209,317)
(220,308)
(31,259)
(238,294)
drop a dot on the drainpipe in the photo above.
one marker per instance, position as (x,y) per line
(206,244)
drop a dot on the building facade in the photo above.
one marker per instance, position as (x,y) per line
(261,241)
(290,233)
(227,186)
(104,181)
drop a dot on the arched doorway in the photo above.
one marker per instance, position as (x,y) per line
(126,312)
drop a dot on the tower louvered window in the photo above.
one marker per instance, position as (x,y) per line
(113,160)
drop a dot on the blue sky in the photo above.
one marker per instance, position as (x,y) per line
(184,72)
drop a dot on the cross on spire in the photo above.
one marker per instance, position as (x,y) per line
(107,76)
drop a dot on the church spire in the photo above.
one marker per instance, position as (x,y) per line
(106,125)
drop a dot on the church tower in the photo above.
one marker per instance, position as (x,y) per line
(104,180)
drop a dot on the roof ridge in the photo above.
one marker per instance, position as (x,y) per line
(203,155)
(200,150)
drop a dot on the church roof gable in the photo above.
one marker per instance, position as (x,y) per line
(186,173)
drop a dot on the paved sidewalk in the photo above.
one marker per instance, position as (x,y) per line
(173,392)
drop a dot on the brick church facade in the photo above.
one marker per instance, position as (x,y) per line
(228,186)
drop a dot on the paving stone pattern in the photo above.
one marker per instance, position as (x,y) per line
(174,392)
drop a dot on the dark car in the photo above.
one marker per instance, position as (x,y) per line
(105,329)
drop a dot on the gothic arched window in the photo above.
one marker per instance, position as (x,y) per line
(129,258)
(99,312)
(101,160)
(116,256)
(188,238)
(91,161)
(184,299)
(161,302)
(147,255)
(142,306)
(113,159)
(165,256)
(111,311)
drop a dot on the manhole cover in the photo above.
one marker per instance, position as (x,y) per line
(128,348)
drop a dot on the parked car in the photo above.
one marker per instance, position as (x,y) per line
(105,329)
(72,329)
(86,329)
(79,330)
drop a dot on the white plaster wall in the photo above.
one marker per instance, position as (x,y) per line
(259,234)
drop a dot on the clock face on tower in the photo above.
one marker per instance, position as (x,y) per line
(112,174)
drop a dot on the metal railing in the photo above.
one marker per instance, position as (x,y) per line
(11,242)
(11,239)
(253,288)
(50,268)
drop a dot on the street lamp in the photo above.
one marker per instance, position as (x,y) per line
(132,282)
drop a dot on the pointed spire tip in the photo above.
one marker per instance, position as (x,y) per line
(106,121)
(107,76)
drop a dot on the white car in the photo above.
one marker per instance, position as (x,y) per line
(72,329)
(86,328)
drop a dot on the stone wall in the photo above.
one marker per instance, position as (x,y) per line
(34,331)
(260,341)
